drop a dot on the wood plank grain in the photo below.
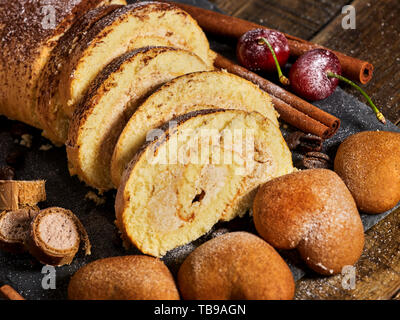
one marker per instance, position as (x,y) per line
(375,39)
(396,296)
(230,6)
(301,18)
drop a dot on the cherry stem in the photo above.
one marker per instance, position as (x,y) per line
(379,115)
(285,81)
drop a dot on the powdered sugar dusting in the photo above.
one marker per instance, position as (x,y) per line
(308,75)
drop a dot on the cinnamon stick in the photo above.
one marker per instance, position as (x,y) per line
(300,120)
(292,109)
(223,25)
(9,293)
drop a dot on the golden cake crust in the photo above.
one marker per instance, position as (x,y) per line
(169,33)
(48,108)
(29,31)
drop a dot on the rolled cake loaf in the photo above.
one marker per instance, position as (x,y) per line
(29,31)
(182,95)
(202,167)
(111,100)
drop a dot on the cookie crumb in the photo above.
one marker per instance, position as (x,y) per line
(45,147)
(95,198)
(26,140)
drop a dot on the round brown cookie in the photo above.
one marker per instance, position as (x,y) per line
(312,211)
(369,164)
(235,266)
(55,235)
(123,278)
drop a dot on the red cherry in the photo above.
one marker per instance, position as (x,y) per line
(308,75)
(254,53)
(316,74)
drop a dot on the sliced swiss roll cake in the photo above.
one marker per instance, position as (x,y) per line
(111,100)
(29,30)
(182,95)
(201,168)
(127,28)
(49,109)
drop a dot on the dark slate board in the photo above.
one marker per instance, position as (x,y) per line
(24,273)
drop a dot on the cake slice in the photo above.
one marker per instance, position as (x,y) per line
(202,167)
(48,106)
(29,30)
(16,194)
(14,229)
(182,95)
(111,100)
(55,235)
(130,27)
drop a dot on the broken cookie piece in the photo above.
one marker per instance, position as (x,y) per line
(16,194)
(14,229)
(55,235)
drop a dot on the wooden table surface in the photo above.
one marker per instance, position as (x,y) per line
(375,39)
